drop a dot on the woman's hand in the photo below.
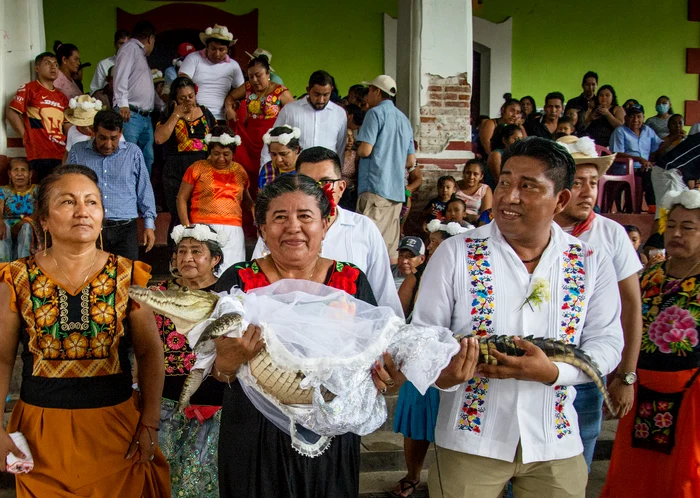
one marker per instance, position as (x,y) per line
(146,442)
(603,111)
(388,379)
(462,366)
(7,446)
(622,396)
(232,352)
(231,114)
(181,109)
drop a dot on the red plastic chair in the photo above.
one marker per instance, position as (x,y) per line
(609,185)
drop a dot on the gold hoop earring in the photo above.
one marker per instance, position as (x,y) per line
(46,241)
(101,243)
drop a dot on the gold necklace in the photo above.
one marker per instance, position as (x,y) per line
(311,277)
(89,272)
(670,260)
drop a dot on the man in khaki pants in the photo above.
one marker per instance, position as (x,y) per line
(386,150)
(521,275)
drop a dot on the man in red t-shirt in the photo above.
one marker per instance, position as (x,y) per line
(36,114)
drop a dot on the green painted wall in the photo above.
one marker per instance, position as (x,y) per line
(637,46)
(344,38)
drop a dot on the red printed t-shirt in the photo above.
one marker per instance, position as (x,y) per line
(217,194)
(42,110)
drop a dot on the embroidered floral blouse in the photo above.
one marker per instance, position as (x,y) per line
(18,204)
(188,136)
(477,284)
(266,108)
(75,346)
(671,318)
(179,360)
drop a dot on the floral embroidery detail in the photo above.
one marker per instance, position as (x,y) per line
(100,345)
(561,423)
(641,431)
(252,277)
(43,287)
(344,277)
(103,285)
(663,420)
(574,292)
(102,313)
(654,425)
(75,346)
(50,347)
(46,315)
(481,285)
(473,408)
(175,340)
(670,312)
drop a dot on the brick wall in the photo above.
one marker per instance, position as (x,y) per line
(444,139)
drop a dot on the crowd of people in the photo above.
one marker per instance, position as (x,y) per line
(513,247)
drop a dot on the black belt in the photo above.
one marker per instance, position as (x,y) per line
(139,111)
(117,223)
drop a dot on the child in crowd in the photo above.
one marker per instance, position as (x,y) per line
(566,125)
(635,236)
(476,195)
(456,211)
(436,207)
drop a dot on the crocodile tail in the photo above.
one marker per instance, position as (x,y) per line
(581,361)
(192,383)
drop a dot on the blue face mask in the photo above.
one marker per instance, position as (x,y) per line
(662,108)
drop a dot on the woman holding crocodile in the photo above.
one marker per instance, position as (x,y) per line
(255,458)
(657,446)
(190,440)
(89,433)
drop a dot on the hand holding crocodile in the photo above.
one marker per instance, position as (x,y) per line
(462,366)
(533,365)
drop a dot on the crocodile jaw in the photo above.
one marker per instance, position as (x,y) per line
(185,308)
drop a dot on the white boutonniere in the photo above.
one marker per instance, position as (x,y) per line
(540,294)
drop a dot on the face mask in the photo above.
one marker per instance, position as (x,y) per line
(662,108)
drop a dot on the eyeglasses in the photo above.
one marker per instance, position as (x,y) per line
(329,181)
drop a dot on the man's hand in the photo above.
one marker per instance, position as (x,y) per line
(534,365)
(149,238)
(646,165)
(125,113)
(622,396)
(231,114)
(462,365)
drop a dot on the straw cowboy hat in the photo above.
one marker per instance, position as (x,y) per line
(583,151)
(220,33)
(82,110)
(261,51)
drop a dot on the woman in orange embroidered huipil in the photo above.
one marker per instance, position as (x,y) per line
(182,129)
(89,432)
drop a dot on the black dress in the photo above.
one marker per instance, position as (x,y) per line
(256,459)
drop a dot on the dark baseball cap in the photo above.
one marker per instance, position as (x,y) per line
(413,244)
(635,109)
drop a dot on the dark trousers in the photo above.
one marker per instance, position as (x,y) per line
(43,167)
(121,237)
(648,188)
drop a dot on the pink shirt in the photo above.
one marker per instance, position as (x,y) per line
(67,86)
(473,202)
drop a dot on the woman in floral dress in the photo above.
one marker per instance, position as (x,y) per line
(89,432)
(263,100)
(657,447)
(17,205)
(190,440)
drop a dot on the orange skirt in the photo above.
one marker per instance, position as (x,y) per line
(642,473)
(81,453)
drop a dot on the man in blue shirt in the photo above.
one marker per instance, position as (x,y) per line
(386,151)
(124,184)
(635,140)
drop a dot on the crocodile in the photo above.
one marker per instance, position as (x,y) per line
(186,308)
(555,350)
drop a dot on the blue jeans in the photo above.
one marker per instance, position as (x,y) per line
(589,407)
(139,130)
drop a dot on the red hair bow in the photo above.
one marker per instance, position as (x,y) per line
(328,192)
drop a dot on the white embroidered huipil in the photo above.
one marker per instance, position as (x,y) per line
(475,283)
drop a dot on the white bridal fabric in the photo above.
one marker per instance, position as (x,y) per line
(333,339)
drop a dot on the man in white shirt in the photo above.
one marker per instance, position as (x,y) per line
(99,79)
(212,70)
(520,275)
(322,123)
(351,237)
(611,239)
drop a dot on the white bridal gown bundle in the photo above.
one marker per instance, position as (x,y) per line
(334,340)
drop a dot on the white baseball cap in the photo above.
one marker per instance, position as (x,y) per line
(384,83)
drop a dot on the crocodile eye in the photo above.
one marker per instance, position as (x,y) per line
(185,289)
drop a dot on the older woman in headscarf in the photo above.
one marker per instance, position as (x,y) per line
(657,446)
(190,439)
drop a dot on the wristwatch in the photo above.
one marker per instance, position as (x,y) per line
(627,378)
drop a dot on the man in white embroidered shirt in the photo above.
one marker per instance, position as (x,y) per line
(351,237)
(520,275)
(609,238)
